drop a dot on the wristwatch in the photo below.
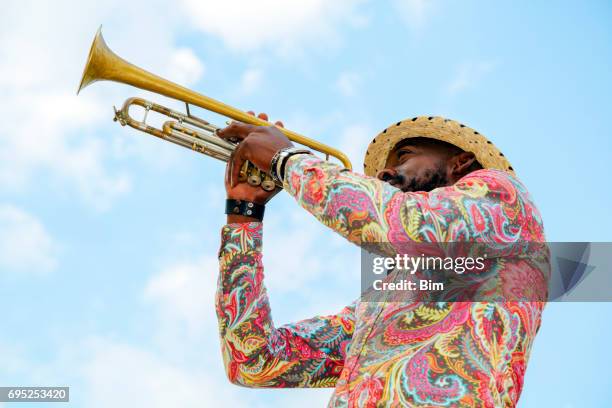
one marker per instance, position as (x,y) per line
(277,165)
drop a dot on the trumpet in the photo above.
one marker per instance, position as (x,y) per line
(184,129)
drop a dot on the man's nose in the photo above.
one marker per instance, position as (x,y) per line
(386,174)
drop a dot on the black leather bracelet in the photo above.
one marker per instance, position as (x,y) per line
(246,208)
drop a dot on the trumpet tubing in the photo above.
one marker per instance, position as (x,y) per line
(184,129)
(193,133)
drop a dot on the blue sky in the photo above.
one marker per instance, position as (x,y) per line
(108,237)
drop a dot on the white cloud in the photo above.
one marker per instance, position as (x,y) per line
(121,375)
(348,83)
(185,66)
(354,141)
(250,81)
(289,260)
(415,13)
(284,26)
(51,132)
(14,356)
(467,74)
(184,293)
(25,244)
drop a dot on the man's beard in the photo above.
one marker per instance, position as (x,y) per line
(432,178)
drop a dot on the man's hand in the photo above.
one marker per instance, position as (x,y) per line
(242,190)
(258,144)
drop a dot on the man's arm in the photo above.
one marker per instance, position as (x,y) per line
(486,204)
(309,353)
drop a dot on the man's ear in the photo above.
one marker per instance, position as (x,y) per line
(461,162)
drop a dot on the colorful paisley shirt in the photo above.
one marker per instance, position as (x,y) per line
(455,354)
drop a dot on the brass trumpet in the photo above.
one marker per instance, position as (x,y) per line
(184,129)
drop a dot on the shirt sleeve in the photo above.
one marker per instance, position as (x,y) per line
(484,205)
(309,353)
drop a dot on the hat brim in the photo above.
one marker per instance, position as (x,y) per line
(434,127)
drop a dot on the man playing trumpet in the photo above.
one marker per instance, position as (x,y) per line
(428,180)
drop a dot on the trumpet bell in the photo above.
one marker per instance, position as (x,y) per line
(98,61)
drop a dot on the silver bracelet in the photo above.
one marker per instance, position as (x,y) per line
(277,165)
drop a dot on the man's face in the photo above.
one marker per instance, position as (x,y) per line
(418,164)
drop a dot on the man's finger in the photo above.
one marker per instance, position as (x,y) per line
(279,124)
(263,116)
(235,131)
(228,172)
(237,162)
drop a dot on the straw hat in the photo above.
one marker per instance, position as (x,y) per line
(434,127)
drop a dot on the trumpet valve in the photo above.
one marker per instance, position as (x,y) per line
(243,173)
(267,183)
(254,178)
